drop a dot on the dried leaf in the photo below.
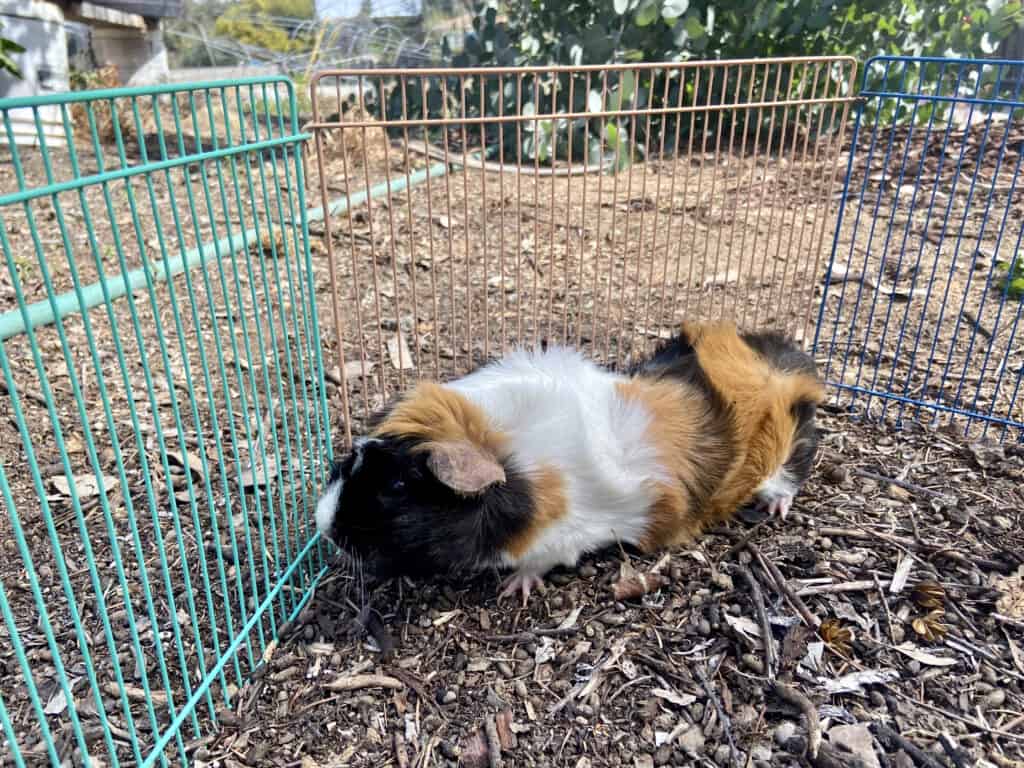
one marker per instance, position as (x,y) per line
(902,573)
(856,740)
(930,627)
(679,699)
(57,703)
(923,657)
(722,278)
(399,354)
(836,635)
(744,626)
(86,485)
(1011,602)
(856,681)
(928,594)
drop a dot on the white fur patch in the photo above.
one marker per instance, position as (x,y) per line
(559,410)
(327,507)
(778,486)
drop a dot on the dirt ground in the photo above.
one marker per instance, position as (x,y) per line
(893,600)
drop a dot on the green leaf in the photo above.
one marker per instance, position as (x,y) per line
(1017,287)
(694,29)
(673,9)
(647,13)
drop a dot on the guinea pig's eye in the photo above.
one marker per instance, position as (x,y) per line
(397,484)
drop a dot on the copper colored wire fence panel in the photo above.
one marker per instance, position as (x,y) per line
(595,206)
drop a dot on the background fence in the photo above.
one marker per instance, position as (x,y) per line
(164,422)
(923,298)
(489,215)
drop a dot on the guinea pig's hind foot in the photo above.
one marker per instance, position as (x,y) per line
(522,582)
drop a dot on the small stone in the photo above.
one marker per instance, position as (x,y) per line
(761,753)
(784,732)
(691,740)
(587,571)
(995,699)
(753,663)
(643,761)
(663,754)
(449,697)
(899,494)
(505,669)
(723,581)
(704,627)
(722,754)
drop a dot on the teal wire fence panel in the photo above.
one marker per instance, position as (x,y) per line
(163,421)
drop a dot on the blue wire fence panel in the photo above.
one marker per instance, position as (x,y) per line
(163,421)
(924,293)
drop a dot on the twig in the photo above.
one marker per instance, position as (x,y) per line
(832,589)
(780,582)
(401,756)
(952,750)
(413,682)
(1007,620)
(493,743)
(356,682)
(893,741)
(531,635)
(904,484)
(810,712)
(762,617)
(742,543)
(722,716)
(885,606)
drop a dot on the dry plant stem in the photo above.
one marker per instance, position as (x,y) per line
(493,743)
(401,756)
(740,545)
(531,635)
(834,589)
(893,741)
(952,750)
(712,695)
(780,582)
(810,713)
(907,486)
(762,617)
(356,682)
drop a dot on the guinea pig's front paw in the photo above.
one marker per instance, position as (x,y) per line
(523,582)
(779,506)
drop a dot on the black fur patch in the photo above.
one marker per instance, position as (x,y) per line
(782,353)
(402,520)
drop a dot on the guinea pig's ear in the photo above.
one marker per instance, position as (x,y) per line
(465,468)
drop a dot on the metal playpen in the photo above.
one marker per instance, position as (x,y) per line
(182,338)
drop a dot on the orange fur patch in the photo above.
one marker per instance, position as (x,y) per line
(436,414)
(761,399)
(547,489)
(679,430)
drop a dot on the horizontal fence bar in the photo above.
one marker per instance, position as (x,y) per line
(583,68)
(42,312)
(491,119)
(105,94)
(992,102)
(152,166)
(972,415)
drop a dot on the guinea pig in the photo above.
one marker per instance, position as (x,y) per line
(531,461)
(771,390)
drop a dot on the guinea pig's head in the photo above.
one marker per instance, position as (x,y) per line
(414,507)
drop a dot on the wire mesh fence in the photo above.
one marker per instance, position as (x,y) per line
(593,205)
(923,297)
(164,421)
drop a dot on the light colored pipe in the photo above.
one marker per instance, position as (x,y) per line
(45,312)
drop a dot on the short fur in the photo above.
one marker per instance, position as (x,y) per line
(590,456)
(770,391)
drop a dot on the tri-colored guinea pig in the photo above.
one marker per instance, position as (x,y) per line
(532,460)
